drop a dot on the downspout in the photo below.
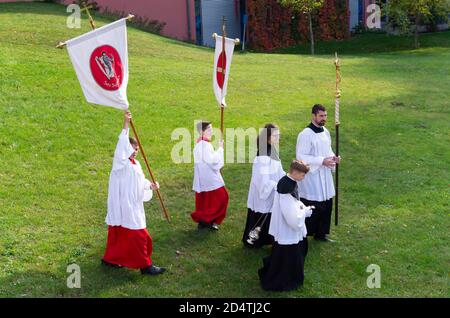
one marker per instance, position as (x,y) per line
(188,15)
(349,27)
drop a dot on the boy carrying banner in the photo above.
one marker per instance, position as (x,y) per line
(129,243)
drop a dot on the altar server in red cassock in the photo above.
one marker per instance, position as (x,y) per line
(129,243)
(211,196)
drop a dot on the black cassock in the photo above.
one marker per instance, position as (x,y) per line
(283,269)
(255,219)
(318,225)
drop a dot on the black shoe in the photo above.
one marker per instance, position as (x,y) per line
(214,227)
(202,225)
(152,270)
(110,264)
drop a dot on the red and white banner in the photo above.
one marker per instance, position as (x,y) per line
(100,59)
(222,63)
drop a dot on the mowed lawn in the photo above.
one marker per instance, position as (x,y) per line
(56,154)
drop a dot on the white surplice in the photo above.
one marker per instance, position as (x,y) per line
(127,185)
(287,224)
(266,172)
(313,148)
(207,165)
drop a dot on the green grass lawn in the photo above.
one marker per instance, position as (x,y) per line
(56,154)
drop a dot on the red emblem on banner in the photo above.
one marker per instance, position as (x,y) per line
(106,67)
(220,69)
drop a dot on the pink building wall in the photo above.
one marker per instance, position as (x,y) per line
(172,12)
(365,5)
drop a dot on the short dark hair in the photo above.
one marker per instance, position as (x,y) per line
(133,141)
(317,108)
(202,125)
(299,166)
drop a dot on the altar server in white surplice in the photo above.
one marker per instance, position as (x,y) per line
(266,172)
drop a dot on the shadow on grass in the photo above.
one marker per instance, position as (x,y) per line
(53,284)
(371,43)
(362,44)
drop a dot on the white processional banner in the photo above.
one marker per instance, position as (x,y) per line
(222,63)
(100,59)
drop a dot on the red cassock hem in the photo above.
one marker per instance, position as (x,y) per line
(211,206)
(128,248)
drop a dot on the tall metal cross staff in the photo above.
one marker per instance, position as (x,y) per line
(337,123)
(166,214)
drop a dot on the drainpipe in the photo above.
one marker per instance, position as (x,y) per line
(188,15)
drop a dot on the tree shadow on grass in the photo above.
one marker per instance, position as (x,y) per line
(365,44)
(95,280)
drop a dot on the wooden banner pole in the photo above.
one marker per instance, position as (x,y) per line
(166,214)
